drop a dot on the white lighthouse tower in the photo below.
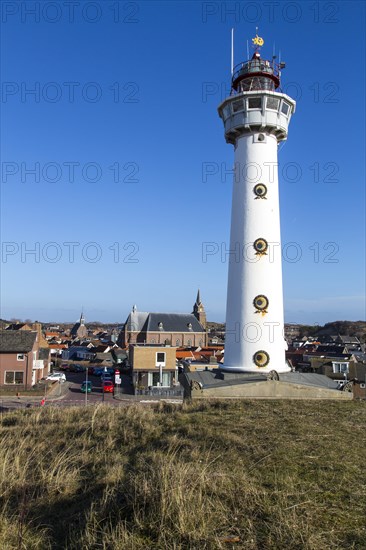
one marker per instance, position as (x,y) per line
(256,118)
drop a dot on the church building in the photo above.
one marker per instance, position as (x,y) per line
(79,330)
(174,329)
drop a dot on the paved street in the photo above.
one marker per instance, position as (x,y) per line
(70,390)
(68,394)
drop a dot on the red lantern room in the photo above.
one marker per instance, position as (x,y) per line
(256,74)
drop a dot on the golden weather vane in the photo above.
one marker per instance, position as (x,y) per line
(258,41)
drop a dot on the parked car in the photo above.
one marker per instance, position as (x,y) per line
(98,371)
(64,366)
(76,368)
(109,370)
(86,387)
(107,386)
(56,377)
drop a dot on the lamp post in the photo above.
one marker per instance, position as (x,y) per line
(86,386)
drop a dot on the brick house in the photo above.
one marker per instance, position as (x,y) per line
(22,361)
(176,329)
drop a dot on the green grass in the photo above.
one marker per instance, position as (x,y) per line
(239,474)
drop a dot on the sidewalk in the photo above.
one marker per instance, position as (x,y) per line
(26,400)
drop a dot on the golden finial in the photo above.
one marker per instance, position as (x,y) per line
(257,41)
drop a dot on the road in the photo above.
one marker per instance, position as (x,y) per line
(71,389)
(68,394)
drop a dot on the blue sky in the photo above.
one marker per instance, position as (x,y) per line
(121,130)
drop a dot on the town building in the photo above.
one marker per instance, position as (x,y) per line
(79,330)
(23,362)
(175,329)
(153,367)
(199,311)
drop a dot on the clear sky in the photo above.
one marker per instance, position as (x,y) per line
(114,169)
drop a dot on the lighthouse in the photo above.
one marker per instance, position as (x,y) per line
(256,116)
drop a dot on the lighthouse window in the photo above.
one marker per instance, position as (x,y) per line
(273,103)
(238,106)
(255,103)
(226,111)
(285,108)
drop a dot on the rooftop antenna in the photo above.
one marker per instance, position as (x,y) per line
(232,51)
(247,49)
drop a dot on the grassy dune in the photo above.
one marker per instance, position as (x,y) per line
(252,475)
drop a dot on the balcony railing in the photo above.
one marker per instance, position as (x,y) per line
(256,74)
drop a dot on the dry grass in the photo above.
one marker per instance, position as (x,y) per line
(250,474)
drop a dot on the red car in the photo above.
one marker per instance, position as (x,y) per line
(107,387)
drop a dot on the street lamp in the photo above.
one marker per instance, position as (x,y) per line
(86,385)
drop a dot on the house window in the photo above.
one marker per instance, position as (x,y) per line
(362,385)
(255,103)
(340,368)
(152,341)
(160,357)
(14,377)
(189,343)
(177,342)
(153,379)
(20,357)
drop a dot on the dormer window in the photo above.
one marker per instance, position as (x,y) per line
(160,326)
(189,325)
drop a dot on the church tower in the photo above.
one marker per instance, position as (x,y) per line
(79,330)
(199,311)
